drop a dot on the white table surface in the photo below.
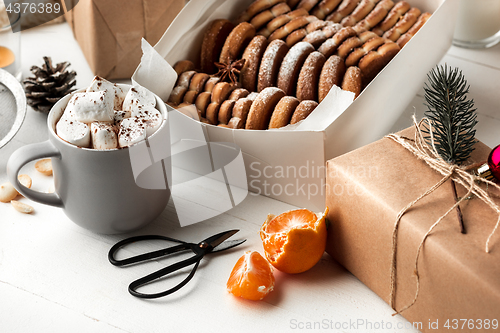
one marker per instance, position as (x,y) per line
(55,276)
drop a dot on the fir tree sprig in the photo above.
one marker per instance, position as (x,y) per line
(452,115)
(453,118)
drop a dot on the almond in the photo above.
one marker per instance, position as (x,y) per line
(7,192)
(25,180)
(22,207)
(44,166)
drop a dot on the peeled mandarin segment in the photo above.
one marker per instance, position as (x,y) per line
(251,278)
(294,241)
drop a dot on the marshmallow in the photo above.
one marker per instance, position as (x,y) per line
(138,96)
(100,84)
(103,136)
(151,117)
(119,97)
(92,106)
(73,131)
(69,111)
(120,115)
(132,130)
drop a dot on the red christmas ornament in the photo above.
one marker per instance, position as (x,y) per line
(494,162)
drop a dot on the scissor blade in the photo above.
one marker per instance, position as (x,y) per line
(228,244)
(219,238)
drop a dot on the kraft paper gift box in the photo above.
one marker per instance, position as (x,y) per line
(367,188)
(274,158)
(109,32)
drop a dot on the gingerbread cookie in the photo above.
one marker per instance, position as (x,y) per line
(236,42)
(291,65)
(403,25)
(226,111)
(262,108)
(347,46)
(307,4)
(190,96)
(324,8)
(413,30)
(236,123)
(331,74)
(291,26)
(221,92)
(183,66)
(252,55)
(184,79)
(212,44)
(392,18)
(202,101)
(292,3)
(373,62)
(307,84)
(296,37)
(352,80)
(255,8)
(270,64)
(315,38)
(283,112)
(360,52)
(303,110)
(331,29)
(362,9)
(266,16)
(238,93)
(212,113)
(316,25)
(211,82)
(375,16)
(177,95)
(351,43)
(198,82)
(241,109)
(329,47)
(252,96)
(281,20)
(344,9)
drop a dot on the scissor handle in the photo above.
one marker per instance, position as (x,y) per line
(145,256)
(199,253)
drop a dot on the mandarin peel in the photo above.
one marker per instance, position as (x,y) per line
(295,240)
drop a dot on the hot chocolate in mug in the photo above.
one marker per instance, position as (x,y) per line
(105,191)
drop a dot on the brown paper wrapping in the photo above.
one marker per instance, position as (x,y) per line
(367,188)
(109,32)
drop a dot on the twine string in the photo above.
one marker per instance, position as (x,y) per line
(459,175)
(395,235)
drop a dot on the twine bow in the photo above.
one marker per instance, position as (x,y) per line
(459,175)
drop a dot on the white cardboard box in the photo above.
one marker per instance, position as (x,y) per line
(289,164)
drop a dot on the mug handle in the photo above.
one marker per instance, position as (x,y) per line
(27,154)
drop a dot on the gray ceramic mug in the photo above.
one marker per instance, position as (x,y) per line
(105,191)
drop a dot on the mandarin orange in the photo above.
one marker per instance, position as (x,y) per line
(295,240)
(252,277)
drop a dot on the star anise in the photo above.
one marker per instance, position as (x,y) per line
(230,71)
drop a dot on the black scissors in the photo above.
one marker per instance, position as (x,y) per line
(214,243)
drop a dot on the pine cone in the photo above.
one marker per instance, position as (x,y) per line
(48,85)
